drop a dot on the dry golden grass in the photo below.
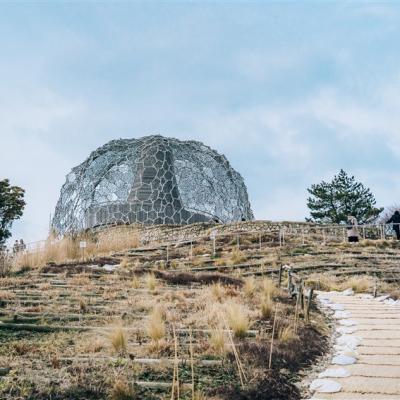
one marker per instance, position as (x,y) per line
(200,250)
(122,391)
(150,282)
(217,341)
(268,288)
(286,334)
(67,249)
(119,340)
(266,307)
(359,284)
(217,291)
(237,257)
(156,325)
(82,305)
(220,262)
(6,295)
(323,282)
(249,287)
(238,319)
(135,282)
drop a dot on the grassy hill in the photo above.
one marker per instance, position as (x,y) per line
(191,318)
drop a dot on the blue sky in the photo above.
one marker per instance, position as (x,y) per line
(290,92)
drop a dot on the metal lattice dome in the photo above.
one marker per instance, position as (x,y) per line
(151,180)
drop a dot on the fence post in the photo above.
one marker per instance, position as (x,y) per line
(214,251)
(237,242)
(280,275)
(310,296)
(301,295)
(280,237)
(167,252)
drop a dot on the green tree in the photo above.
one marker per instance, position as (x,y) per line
(333,202)
(11,207)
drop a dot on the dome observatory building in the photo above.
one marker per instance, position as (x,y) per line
(152,180)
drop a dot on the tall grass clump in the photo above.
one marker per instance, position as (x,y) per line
(135,282)
(217,341)
(249,287)
(238,319)
(151,282)
(266,307)
(218,291)
(156,325)
(268,288)
(286,334)
(359,284)
(237,257)
(122,391)
(119,340)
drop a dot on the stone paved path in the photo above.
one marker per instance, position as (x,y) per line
(366,360)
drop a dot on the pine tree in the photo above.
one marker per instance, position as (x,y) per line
(11,207)
(333,202)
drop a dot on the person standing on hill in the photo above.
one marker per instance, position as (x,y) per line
(395,220)
(352,229)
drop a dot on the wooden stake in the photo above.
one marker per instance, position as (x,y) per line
(272,338)
(280,275)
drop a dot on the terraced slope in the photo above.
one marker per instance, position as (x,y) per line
(154,320)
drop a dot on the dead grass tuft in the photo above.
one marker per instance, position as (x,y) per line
(121,390)
(151,282)
(267,306)
(268,288)
(249,287)
(217,291)
(135,282)
(119,340)
(237,257)
(217,341)
(286,334)
(156,325)
(238,319)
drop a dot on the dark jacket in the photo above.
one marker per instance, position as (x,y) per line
(394,219)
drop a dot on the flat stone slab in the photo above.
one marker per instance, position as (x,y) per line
(354,396)
(378,350)
(377,371)
(379,334)
(379,360)
(361,384)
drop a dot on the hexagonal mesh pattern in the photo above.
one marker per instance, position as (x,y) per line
(152,180)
